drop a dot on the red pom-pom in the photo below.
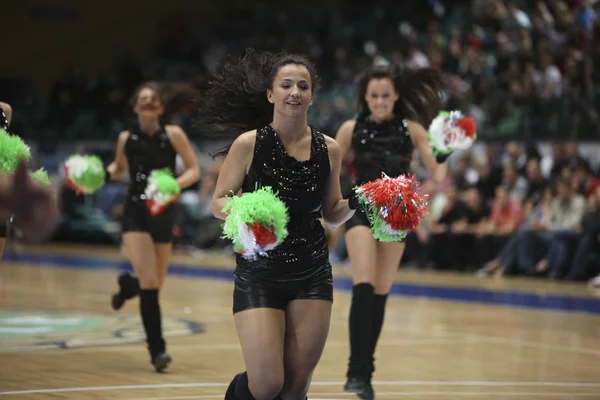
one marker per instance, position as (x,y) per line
(155,208)
(264,236)
(70,183)
(467,124)
(397,200)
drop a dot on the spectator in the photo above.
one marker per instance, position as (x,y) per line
(516,184)
(566,211)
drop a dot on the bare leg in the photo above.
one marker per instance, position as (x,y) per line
(145,266)
(307,323)
(261,332)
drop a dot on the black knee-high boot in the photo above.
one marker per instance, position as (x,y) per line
(151,318)
(238,388)
(360,325)
(129,287)
(378,315)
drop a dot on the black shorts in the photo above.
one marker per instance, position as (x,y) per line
(137,218)
(358,219)
(256,290)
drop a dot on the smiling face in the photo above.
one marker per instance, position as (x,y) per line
(292,92)
(148,103)
(381,97)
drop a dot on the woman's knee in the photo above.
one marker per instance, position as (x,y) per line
(265,387)
(364,272)
(148,279)
(296,385)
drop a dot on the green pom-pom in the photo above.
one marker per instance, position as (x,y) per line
(253,209)
(164,182)
(12,152)
(41,177)
(85,173)
(161,191)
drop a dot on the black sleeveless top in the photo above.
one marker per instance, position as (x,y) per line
(302,186)
(381,147)
(3,120)
(146,153)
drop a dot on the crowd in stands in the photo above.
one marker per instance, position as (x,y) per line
(526,71)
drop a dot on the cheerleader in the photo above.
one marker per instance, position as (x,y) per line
(394,107)
(281,301)
(34,206)
(5,118)
(149,145)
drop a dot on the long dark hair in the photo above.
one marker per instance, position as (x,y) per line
(176,98)
(420,91)
(236,101)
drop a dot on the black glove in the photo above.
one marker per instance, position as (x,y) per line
(441,158)
(353,201)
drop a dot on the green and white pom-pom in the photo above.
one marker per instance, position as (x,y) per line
(451,130)
(85,173)
(257,222)
(13,151)
(161,191)
(41,177)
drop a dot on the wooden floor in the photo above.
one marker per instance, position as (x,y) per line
(446,336)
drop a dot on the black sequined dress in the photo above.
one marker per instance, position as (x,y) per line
(298,268)
(379,147)
(146,153)
(3,125)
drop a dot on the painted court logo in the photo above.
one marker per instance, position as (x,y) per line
(21,332)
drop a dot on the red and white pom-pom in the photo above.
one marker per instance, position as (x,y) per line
(395,200)
(255,239)
(450,131)
(161,191)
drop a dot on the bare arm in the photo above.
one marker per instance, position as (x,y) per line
(418,135)
(119,166)
(182,146)
(234,170)
(335,209)
(344,136)
(7,111)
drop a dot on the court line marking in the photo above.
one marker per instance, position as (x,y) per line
(376,383)
(352,396)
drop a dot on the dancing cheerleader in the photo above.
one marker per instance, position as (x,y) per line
(31,202)
(394,107)
(148,150)
(5,118)
(282,298)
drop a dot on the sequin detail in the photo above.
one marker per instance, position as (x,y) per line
(302,185)
(3,119)
(146,153)
(381,147)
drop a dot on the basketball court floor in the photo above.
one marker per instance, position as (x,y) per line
(446,336)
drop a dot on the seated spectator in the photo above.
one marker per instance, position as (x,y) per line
(517,185)
(535,253)
(588,243)
(442,242)
(584,181)
(505,219)
(537,183)
(465,230)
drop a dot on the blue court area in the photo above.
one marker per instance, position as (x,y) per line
(507,298)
